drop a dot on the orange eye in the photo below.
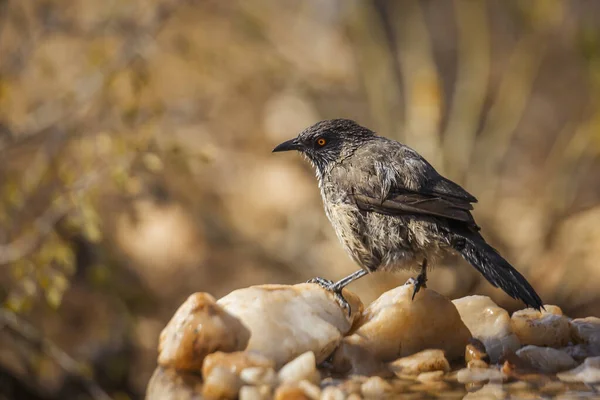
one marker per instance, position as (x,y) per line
(321,142)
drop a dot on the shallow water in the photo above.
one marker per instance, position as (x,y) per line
(530,386)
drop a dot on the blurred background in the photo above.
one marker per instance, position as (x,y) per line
(136,165)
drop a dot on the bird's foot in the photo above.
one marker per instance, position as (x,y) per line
(330,286)
(419,282)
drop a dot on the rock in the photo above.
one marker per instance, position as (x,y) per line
(477,364)
(466,375)
(255,393)
(301,368)
(586,331)
(221,383)
(489,391)
(376,387)
(310,389)
(396,326)
(475,351)
(582,351)
(588,372)
(432,376)
(332,393)
(353,359)
(546,328)
(546,359)
(297,318)
(198,328)
(166,383)
(423,361)
(235,362)
(434,387)
(354,396)
(488,323)
(259,376)
(290,391)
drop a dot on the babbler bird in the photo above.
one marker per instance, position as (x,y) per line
(392,210)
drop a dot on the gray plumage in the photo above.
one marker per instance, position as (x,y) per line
(392,210)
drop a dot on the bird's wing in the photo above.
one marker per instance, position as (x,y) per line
(407,202)
(400,181)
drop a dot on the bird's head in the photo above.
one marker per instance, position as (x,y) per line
(328,142)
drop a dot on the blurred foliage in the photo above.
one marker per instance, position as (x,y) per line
(135,163)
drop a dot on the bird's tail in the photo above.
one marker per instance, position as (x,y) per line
(473,247)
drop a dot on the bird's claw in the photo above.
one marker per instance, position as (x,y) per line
(419,282)
(336,291)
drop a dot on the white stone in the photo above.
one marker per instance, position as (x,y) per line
(432,376)
(467,375)
(221,383)
(255,393)
(376,387)
(286,321)
(489,323)
(546,359)
(259,376)
(332,393)
(542,328)
(198,328)
(396,326)
(301,368)
(311,390)
(423,361)
(588,372)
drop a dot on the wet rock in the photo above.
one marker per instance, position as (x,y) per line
(546,359)
(259,376)
(376,387)
(588,372)
(235,362)
(546,328)
(199,327)
(488,323)
(297,318)
(475,351)
(586,331)
(423,361)
(466,375)
(489,391)
(301,368)
(396,326)
(221,383)
(430,387)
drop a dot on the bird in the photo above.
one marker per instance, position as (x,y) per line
(391,210)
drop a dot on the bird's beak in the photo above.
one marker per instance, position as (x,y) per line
(287,146)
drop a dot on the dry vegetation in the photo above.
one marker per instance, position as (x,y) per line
(135,166)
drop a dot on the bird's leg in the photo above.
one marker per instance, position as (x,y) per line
(336,288)
(421,280)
